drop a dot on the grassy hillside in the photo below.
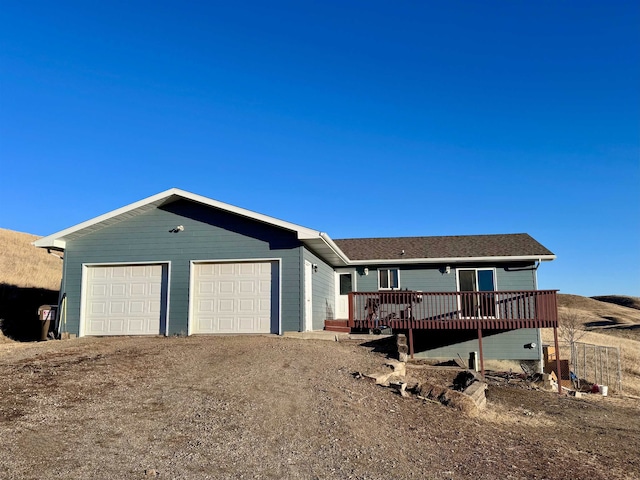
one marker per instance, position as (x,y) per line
(25,266)
(622,300)
(607,317)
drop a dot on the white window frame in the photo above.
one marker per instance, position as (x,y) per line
(495,277)
(388,270)
(495,287)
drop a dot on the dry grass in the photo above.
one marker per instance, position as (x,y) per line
(4,339)
(599,311)
(519,416)
(25,266)
(622,300)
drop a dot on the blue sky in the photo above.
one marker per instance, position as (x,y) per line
(361,119)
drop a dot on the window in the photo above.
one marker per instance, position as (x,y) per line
(346,284)
(388,278)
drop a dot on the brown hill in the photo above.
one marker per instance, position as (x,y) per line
(622,300)
(598,313)
(25,266)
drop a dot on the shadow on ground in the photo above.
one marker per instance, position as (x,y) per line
(19,310)
(386,344)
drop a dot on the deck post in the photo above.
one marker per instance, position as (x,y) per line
(557,345)
(351,314)
(480,351)
(411,343)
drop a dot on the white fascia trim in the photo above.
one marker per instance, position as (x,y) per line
(332,245)
(49,240)
(543,258)
(303,232)
(56,240)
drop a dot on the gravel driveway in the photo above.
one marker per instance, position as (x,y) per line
(270,407)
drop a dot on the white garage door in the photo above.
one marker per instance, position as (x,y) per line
(125,300)
(231,298)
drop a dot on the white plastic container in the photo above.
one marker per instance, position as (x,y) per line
(603,390)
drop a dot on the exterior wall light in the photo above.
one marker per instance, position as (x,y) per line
(447,269)
(366,271)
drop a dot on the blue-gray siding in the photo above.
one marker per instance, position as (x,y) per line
(209,234)
(323,290)
(448,344)
(434,279)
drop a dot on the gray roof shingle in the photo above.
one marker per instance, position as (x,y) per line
(464,246)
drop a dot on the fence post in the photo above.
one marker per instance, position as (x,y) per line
(557,345)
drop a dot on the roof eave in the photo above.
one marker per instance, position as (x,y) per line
(404,261)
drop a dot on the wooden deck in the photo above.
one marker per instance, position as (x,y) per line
(499,310)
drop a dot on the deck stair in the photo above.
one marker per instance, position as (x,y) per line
(337,326)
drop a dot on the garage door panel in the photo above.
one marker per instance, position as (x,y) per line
(98,291)
(138,289)
(136,307)
(246,305)
(116,325)
(98,308)
(246,324)
(265,287)
(246,269)
(224,269)
(205,306)
(206,287)
(118,272)
(136,326)
(117,308)
(241,297)
(225,305)
(264,306)
(126,299)
(155,308)
(225,324)
(116,290)
(226,287)
(247,287)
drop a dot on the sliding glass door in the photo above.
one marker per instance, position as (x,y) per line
(471,282)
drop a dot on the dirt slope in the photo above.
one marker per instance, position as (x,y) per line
(269,407)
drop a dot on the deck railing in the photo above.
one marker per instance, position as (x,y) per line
(434,310)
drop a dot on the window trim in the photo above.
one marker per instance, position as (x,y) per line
(388,270)
(496,312)
(476,269)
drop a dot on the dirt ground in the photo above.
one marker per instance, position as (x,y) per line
(269,407)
